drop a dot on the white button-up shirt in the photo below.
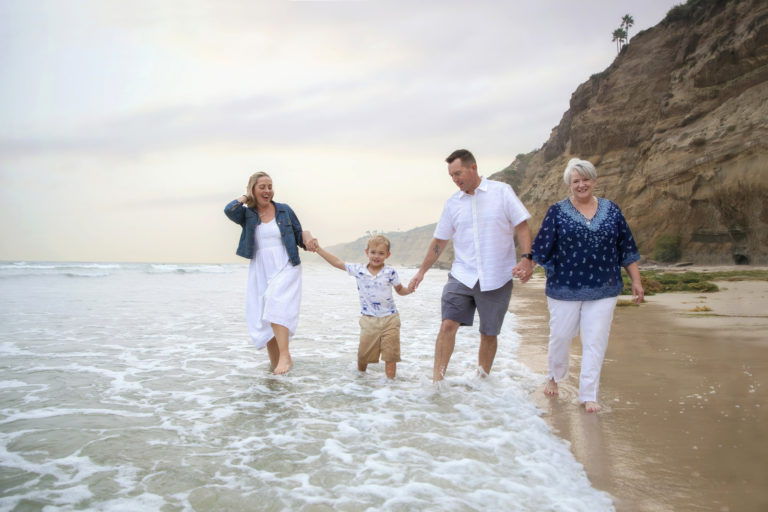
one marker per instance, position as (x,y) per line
(482,226)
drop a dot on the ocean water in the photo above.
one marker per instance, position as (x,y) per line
(130,387)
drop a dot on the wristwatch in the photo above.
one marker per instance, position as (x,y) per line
(527,255)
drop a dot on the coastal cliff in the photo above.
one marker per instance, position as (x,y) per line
(677,127)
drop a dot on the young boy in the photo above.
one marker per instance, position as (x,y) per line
(380,323)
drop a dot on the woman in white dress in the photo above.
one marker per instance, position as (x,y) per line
(270,238)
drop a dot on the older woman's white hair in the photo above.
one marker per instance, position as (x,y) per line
(583,167)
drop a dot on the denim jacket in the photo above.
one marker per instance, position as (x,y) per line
(248,218)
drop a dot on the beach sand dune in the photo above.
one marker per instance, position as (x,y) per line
(685,419)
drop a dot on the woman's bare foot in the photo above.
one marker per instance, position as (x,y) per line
(551,388)
(274,353)
(592,406)
(283,366)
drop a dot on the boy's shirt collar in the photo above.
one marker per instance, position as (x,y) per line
(367,271)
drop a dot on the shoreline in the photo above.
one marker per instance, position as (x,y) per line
(684,412)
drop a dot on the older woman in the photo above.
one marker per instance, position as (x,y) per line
(582,244)
(270,237)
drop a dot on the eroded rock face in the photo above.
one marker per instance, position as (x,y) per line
(677,127)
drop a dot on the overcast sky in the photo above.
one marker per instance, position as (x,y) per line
(126,126)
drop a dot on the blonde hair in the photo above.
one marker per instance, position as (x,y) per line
(582,167)
(250,200)
(376,240)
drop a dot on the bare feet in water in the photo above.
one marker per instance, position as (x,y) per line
(592,406)
(283,366)
(551,388)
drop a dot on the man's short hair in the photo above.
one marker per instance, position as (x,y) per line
(466,157)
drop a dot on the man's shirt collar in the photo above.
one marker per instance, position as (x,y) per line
(483,187)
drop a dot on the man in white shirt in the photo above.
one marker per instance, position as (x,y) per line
(483,218)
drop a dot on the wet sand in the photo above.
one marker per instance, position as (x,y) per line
(685,419)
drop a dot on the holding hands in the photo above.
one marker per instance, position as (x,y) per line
(523,270)
(310,242)
(415,281)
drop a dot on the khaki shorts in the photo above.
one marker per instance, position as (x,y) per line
(379,336)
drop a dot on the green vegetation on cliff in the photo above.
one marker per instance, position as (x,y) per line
(655,281)
(692,10)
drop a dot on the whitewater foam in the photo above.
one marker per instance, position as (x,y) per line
(141,391)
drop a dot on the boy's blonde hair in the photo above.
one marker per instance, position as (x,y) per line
(378,239)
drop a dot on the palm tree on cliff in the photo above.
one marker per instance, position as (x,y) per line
(619,35)
(627,21)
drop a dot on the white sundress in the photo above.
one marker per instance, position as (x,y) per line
(274,287)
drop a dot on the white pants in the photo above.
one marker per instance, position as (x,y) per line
(593,318)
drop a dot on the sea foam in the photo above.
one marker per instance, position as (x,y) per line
(141,391)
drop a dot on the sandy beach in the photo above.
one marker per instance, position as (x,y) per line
(685,415)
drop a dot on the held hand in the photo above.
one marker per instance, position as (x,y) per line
(310,242)
(523,270)
(415,281)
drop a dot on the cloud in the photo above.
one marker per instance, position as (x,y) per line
(126,108)
(354,73)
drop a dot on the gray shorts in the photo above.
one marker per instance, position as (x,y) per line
(459,303)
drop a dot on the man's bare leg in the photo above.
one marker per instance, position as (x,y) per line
(284,361)
(390,368)
(592,406)
(361,366)
(446,340)
(550,389)
(487,352)
(274,353)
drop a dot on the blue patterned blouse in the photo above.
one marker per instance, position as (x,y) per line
(583,258)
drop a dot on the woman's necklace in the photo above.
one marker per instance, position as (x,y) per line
(587,211)
(266,214)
